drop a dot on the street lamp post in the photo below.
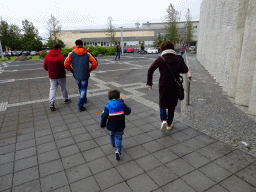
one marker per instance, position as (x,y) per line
(122,43)
(1,49)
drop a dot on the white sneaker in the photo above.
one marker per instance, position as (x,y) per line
(163,126)
(169,127)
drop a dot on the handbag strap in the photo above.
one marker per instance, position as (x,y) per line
(177,81)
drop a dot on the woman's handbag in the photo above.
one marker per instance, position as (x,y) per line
(178,81)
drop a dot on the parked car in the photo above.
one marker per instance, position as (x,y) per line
(130,50)
(152,50)
(124,50)
(192,48)
(40,52)
(19,53)
(12,53)
(143,52)
(33,53)
(26,53)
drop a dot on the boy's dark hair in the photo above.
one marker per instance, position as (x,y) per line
(79,42)
(114,94)
(57,46)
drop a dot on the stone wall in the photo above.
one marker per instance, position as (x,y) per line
(227,47)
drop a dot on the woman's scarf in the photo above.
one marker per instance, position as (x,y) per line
(168,51)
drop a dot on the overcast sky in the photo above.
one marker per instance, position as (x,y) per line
(94,13)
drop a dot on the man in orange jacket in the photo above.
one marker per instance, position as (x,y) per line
(80,58)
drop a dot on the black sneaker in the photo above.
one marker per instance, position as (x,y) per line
(52,107)
(67,101)
(82,109)
(118,155)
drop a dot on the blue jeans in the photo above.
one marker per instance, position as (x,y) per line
(82,86)
(164,117)
(117,55)
(116,139)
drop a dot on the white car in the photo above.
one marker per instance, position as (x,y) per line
(33,53)
(152,50)
(192,48)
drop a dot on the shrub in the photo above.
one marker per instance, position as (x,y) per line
(42,55)
(95,51)
(111,51)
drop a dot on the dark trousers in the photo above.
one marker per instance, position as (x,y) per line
(167,117)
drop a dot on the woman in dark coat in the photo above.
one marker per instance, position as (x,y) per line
(168,88)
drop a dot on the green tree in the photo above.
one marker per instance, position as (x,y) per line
(189,28)
(10,36)
(158,40)
(30,40)
(171,24)
(53,28)
(111,32)
(52,42)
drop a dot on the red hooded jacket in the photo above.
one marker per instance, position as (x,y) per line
(54,64)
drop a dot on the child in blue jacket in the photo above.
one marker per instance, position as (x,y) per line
(114,112)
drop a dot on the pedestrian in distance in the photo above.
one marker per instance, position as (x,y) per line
(141,49)
(183,48)
(80,62)
(118,50)
(113,117)
(168,87)
(54,64)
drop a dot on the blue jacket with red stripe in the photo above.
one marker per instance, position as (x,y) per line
(114,115)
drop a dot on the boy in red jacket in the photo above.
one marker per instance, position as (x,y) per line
(54,64)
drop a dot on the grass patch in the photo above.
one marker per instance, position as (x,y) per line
(14,58)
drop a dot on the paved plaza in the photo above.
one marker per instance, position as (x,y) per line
(66,150)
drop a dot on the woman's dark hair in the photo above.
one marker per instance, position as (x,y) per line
(166,45)
(114,94)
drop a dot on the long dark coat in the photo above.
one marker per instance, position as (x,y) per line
(168,88)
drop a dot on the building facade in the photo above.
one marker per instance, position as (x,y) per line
(131,36)
(227,47)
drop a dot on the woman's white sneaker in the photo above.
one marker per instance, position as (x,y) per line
(163,126)
(169,127)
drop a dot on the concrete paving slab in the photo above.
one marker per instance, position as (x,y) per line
(78,172)
(142,183)
(88,184)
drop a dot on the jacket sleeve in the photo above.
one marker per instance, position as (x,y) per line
(45,63)
(67,62)
(151,70)
(183,67)
(104,117)
(127,110)
(93,61)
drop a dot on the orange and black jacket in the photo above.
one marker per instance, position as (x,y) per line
(54,64)
(78,62)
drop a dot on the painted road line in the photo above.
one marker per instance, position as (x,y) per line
(9,71)
(103,90)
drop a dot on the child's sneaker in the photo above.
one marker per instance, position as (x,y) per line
(67,101)
(169,127)
(52,107)
(163,126)
(118,155)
